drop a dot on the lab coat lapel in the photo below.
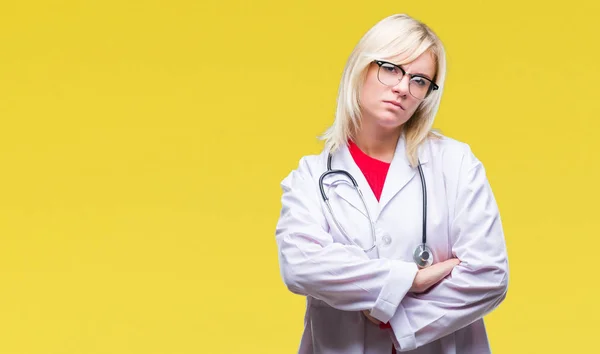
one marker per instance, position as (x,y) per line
(400,172)
(343,160)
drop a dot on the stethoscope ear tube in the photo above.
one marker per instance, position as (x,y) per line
(335,220)
(424,203)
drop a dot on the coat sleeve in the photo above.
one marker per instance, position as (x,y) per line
(312,264)
(478,284)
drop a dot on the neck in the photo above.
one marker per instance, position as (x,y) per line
(378,144)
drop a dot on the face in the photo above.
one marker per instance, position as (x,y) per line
(391,106)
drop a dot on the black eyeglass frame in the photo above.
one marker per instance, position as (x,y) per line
(432,87)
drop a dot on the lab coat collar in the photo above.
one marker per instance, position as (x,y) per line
(400,172)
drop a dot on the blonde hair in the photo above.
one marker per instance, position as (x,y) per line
(397,36)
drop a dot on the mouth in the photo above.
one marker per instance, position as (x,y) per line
(395,103)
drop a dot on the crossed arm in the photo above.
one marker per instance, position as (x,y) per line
(392,290)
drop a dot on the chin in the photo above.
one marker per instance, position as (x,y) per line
(389,122)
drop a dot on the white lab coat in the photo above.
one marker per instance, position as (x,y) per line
(340,280)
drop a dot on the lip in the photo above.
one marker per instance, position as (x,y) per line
(395,103)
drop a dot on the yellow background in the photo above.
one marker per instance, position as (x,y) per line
(142,144)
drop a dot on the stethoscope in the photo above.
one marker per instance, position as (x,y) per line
(422,256)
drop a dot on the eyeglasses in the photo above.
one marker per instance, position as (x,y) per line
(391,74)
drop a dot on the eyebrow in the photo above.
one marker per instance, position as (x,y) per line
(417,74)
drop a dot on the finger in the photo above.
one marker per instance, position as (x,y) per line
(449,264)
(370,318)
(374,321)
(434,275)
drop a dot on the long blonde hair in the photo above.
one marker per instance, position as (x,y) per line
(395,36)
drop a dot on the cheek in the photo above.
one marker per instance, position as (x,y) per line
(367,96)
(412,106)
(372,93)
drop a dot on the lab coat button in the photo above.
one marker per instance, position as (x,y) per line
(387,239)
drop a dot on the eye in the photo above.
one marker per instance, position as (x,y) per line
(389,68)
(420,81)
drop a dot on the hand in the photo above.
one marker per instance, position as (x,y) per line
(371,318)
(427,277)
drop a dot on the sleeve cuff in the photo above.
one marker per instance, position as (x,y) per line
(400,279)
(403,335)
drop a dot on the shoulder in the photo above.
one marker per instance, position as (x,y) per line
(308,168)
(443,146)
(460,169)
(450,152)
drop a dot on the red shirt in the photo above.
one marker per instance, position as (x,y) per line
(375,172)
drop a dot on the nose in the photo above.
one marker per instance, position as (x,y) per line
(401,87)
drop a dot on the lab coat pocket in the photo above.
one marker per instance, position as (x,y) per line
(349,223)
(336,331)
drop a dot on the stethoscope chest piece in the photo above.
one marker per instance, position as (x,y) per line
(423,256)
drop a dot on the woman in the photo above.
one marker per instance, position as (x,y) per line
(431,262)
